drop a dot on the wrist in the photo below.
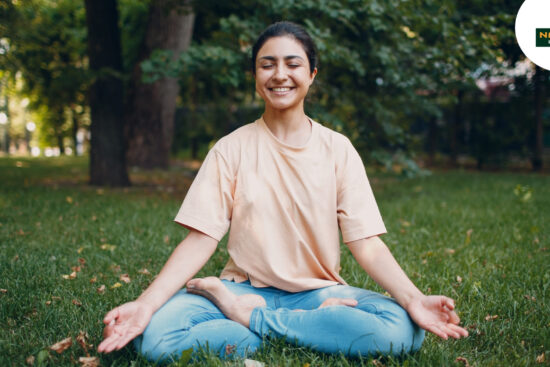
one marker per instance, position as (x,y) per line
(407,299)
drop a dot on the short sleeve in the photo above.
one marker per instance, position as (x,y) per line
(357,211)
(208,204)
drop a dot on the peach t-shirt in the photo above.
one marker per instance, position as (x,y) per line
(284,205)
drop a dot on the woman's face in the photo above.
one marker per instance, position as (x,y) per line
(282,73)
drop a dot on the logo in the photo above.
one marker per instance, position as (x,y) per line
(543,37)
(533,20)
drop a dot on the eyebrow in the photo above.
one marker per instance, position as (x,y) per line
(273,58)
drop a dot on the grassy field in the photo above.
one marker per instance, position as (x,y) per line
(481,238)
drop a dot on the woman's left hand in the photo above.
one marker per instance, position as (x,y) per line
(436,314)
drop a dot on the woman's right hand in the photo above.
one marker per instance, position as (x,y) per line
(124,323)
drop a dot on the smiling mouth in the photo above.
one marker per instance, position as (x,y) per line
(280,89)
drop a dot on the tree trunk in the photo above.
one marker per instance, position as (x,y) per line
(74,131)
(432,140)
(457,120)
(540,76)
(151,108)
(107,148)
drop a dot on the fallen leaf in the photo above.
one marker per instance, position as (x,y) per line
(69,199)
(462,360)
(144,271)
(3,290)
(490,317)
(459,278)
(48,303)
(530,298)
(82,340)
(115,268)
(468,236)
(450,251)
(82,261)
(77,302)
(30,360)
(116,285)
(100,191)
(125,278)
(56,298)
(306,365)
(88,361)
(70,276)
(108,247)
(377,363)
(63,345)
(541,358)
(76,268)
(253,363)
(405,223)
(101,289)
(167,239)
(94,218)
(80,249)
(93,280)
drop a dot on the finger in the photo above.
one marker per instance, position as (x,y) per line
(124,340)
(106,345)
(453,318)
(448,302)
(437,331)
(458,329)
(111,316)
(450,332)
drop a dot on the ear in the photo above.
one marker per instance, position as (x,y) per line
(312,76)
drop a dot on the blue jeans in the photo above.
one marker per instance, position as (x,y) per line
(376,326)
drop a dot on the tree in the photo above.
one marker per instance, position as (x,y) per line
(150,108)
(106,95)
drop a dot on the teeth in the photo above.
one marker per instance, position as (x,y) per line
(281,89)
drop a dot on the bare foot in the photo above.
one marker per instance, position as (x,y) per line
(236,308)
(339,302)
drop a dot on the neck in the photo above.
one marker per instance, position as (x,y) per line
(289,126)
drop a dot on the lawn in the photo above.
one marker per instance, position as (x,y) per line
(66,248)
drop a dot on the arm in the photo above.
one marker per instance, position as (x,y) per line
(127,321)
(433,313)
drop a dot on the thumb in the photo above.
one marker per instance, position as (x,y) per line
(111,316)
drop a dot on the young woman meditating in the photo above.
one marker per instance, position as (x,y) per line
(286,185)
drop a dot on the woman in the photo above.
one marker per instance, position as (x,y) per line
(285,184)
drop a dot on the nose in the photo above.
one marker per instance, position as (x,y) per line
(280,73)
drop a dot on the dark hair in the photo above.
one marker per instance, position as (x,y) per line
(288,29)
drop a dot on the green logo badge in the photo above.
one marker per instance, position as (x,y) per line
(543,37)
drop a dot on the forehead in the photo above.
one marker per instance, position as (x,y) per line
(282,46)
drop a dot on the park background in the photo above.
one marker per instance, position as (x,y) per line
(107,108)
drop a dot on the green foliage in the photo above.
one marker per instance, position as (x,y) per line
(383,64)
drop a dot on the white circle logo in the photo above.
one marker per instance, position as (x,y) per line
(533,31)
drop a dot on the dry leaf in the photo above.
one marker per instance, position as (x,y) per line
(541,358)
(80,249)
(70,276)
(463,360)
(94,218)
(63,345)
(82,261)
(253,363)
(459,278)
(115,268)
(108,247)
(101,289)
(77,302)
(125,278)
(48,303)
(450,251)
(377,363)
(30,360)
(167,239)
(144,271)
(3,290)
(93,280)
(468,236)
(88,361)
(76,268)
(490,317)
(69,199)
(116,285)
(82,340)
(56,298)
(530,298)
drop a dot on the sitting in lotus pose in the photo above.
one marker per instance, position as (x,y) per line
(286,185)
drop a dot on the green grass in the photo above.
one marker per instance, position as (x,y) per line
(49,218)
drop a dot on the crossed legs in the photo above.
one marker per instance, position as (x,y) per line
(233,319)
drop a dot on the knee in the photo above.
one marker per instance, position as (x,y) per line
(401,334)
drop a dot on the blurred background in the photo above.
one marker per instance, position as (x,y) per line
(415,84)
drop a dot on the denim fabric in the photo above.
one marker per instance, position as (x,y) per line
(377,325)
